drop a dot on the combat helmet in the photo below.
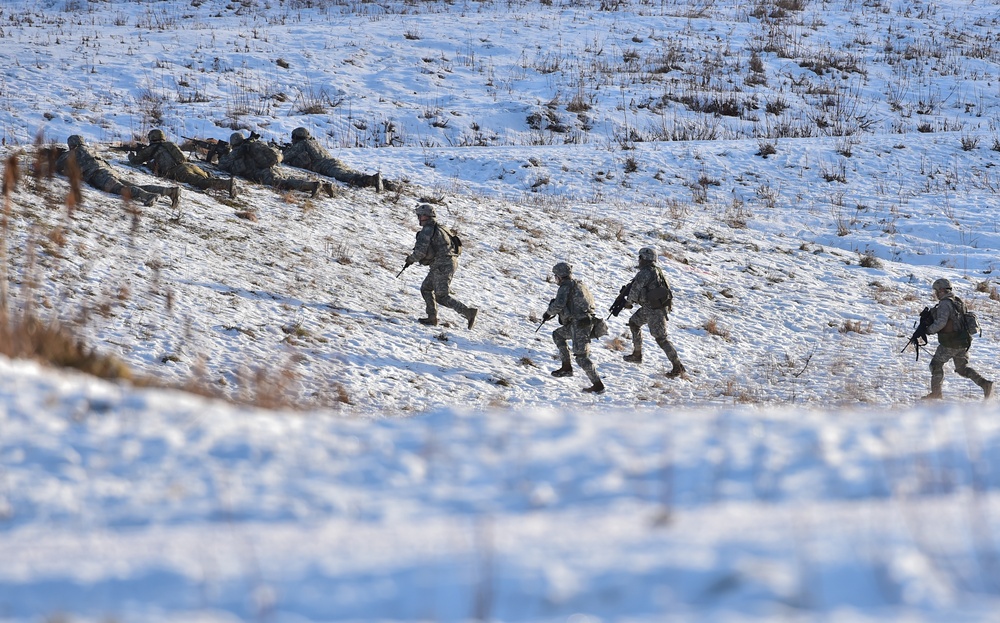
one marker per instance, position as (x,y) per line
(74,141)
(425,209)
(562,269)
(941,285)
(156,136)
(300,134)
(236,138)
(648,254)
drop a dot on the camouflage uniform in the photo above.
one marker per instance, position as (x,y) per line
(255,161)
(433,248)
(953,344)
(306,153)
(574,305)
(165,159)
(96,171)
(650,276)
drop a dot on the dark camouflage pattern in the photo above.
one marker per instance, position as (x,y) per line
(953,345)
(165,159)
(574,306)
(96,172)
(249,160)
(648,277)
(433,249)
(309,155)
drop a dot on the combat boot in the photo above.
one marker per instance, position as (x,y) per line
(676,371)
(635,357)
(470,315)
(565,370)
(328,188)
(932,396)
(430,321)
(375,181)
(315,188)
(596,388)
(175,196)
(987,389)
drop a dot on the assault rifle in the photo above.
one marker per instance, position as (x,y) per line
(919,337)
(127,146)
(545,318)
(213,147)
(622,300)
(405,266)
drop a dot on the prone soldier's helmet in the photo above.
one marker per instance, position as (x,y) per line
(425,209)
(648,254)
(236,138)
(74,141)
(300,134)
(941,285)
(562,269)
(156,136)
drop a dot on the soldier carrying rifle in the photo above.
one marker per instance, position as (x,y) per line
(650,290)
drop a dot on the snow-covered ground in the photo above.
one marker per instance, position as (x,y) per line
(440,473)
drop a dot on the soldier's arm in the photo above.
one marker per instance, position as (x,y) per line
(422,246)
(142,156)
(941,313)
(638,287)
(558,304)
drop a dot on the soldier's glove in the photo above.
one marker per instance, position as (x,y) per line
(627,306)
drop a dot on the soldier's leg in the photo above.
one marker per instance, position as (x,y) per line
(427,292)
(963,369)
(164,191)
(941,356)
(442,276)
(561,336)
(197,177)
(658,329)
(581,352)
(295,183)
(635,323)
(135,193)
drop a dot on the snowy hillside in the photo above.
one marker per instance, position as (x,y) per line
(805,170)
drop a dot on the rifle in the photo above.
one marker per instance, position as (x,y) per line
(213,147)
(622,300)
(127,146)
(405,266)
(919,337)
(544,320)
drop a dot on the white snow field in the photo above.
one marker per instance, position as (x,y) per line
(804,169)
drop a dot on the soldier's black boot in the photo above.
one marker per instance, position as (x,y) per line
(987,387)
(565,370)
(677,370)
(634,357)
(470,316)
(596,388)
(430,321)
